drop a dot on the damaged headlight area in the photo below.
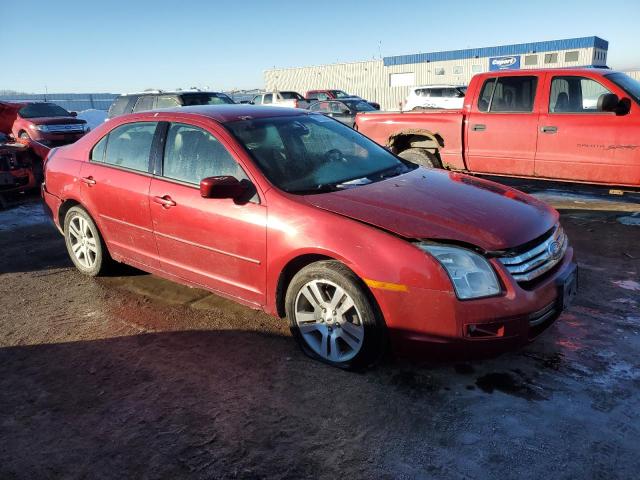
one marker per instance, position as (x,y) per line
(471,274)
(40,128)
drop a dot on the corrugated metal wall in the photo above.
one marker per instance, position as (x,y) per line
(371,79)
(71,101)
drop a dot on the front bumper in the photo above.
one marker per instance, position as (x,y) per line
(419,317)
(55,139)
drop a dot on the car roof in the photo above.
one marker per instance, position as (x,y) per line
(448,85)
(539,71)
(168,92)
(227,112)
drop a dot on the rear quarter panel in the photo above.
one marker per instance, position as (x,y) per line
(447,123)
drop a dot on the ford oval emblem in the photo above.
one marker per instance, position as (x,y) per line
(554,250)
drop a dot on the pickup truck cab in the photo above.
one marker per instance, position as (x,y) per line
(281,99)
(579,125)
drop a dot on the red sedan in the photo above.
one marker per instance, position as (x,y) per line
(294,213)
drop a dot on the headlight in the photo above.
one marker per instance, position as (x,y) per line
(41,128)
(86,128)
(470,273)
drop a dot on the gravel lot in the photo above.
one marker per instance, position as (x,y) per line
(132,376)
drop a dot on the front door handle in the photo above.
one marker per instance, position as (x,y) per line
(165,201)
(549,129)
(479,127)
(88,180)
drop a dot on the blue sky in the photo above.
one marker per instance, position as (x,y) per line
(116,46)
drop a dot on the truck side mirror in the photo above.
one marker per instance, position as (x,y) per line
(609,102)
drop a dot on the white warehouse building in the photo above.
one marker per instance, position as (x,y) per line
(387,80)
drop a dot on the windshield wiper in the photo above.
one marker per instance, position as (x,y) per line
(325,188)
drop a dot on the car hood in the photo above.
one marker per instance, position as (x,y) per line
(55,120)
(440,205)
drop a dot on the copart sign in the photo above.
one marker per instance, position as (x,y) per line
(511,62)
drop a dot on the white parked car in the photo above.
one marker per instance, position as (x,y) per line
(281,99)
(436,96)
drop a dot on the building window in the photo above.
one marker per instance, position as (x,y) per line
(550,58)
(440,71)
(571,56)
(531,60)
(457,70)
(476,68)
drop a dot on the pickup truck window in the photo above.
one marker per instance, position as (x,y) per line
(291,96)
(167,102)
(268,98)
(257,100)
(508,94)
(144,103)
(572,94)
(626,83)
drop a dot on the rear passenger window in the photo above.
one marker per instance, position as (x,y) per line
(129,146)
(192,154)
(485,95)
(97,153)
(144,103)
(167,102)
(509,94)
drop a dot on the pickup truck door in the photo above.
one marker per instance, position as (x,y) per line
(577,141)
(501,130)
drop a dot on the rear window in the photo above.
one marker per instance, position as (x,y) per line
(39,110)
(291,96)
(121,105)
(205,98)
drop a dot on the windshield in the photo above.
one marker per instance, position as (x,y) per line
(360,106)
(40,110)
(339,94)
(628,84)
(291,96)
(308,154)
(189,99)
(463,90)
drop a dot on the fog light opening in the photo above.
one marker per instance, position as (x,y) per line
(485,330)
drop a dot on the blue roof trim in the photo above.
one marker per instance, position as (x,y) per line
(517,49)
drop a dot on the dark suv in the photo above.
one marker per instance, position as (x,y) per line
(156,99)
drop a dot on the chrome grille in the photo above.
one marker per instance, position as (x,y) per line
(68,128)
(543,257)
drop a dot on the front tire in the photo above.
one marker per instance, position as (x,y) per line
(333,317)
(420,157)
(85,245)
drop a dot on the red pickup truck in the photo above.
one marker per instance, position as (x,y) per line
(579,125)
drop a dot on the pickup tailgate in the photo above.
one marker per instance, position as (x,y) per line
(448,124)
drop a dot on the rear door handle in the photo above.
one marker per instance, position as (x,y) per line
(165,201)
(88,180)
(549,129)
(479,127)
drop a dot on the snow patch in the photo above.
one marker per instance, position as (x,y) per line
(628,285)
(93,117)
(631,220)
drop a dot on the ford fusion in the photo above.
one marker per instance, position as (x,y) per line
(296,214)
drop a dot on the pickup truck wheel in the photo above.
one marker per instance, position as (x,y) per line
(85,245)
(420,157)
(333,317)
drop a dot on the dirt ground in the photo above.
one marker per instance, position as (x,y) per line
(132,376)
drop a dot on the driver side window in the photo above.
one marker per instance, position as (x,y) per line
(192,154)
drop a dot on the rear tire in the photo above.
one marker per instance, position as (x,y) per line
(85,245)
(333,317)
(420,157)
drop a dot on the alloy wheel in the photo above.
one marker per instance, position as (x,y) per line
(329,320)
(84,243)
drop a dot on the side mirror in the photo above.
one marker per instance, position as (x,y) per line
(251,102)
(73,114)
(345,111)
(609,102)
(223,187)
